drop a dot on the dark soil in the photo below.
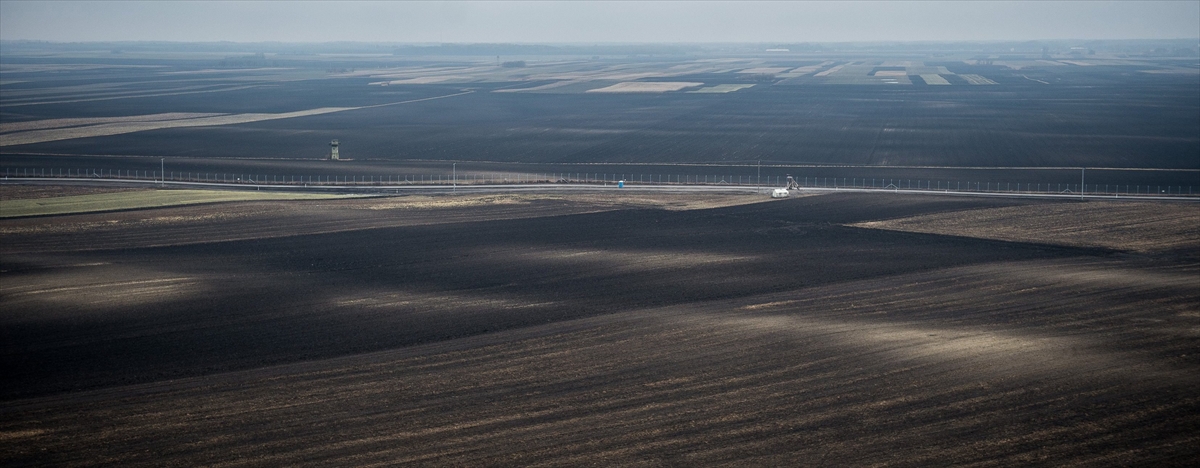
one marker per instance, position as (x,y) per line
(27,192)
(767,333)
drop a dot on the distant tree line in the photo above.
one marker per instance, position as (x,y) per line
(1132,47)
(544,49)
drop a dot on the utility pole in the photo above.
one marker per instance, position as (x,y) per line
(760,173)
(162,176)
(454,175)
(1082,174)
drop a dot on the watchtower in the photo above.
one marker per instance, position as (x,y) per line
(333,150)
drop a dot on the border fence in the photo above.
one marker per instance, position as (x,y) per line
(481,178)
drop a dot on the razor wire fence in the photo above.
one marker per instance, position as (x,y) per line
(479,178)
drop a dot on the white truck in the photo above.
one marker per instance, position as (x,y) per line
(783,192)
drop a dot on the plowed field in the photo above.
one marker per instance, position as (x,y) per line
(624,330)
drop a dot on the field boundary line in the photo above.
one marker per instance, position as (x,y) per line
(555,187)
(30,137)
(469,91)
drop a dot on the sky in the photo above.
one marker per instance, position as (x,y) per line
(595,22)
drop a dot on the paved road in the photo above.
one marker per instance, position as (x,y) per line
(523,188)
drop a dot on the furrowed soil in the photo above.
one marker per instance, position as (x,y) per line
(1143,227)
(131,200)
(1045,116)
(35,192)
(599,329)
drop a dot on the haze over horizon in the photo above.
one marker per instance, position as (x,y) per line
(594,22)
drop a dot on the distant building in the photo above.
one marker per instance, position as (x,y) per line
(333,150)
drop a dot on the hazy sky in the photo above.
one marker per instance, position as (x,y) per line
(589,22)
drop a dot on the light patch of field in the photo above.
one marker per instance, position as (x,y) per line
(118,128)
(567,71)
(1018,64)
(1131,226)
(1037,80)
(671,202)
(422,80)
(22,192)
(423,303)
(928,71)
(93,227)
(934,80)
(1078,63)
(1112,60)
(425,202)
(722,88)
(801,71)
(76,122)
(832,70)
(9,436)
(911,342)
(84,91)
(81,291)
(602,202)
(403,72)
(557,84)
(223,70)
(624,261)
(646,87)
(141,199)
(977,80)
(626,76)
(128,96)
(765,70)
(891,73)
(1173,71)
(901,63)
(848,70)
(66,289)
(39,68)
(860,74)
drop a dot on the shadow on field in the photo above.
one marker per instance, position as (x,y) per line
(146,314)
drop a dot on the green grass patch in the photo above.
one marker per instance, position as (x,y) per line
(141,199)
